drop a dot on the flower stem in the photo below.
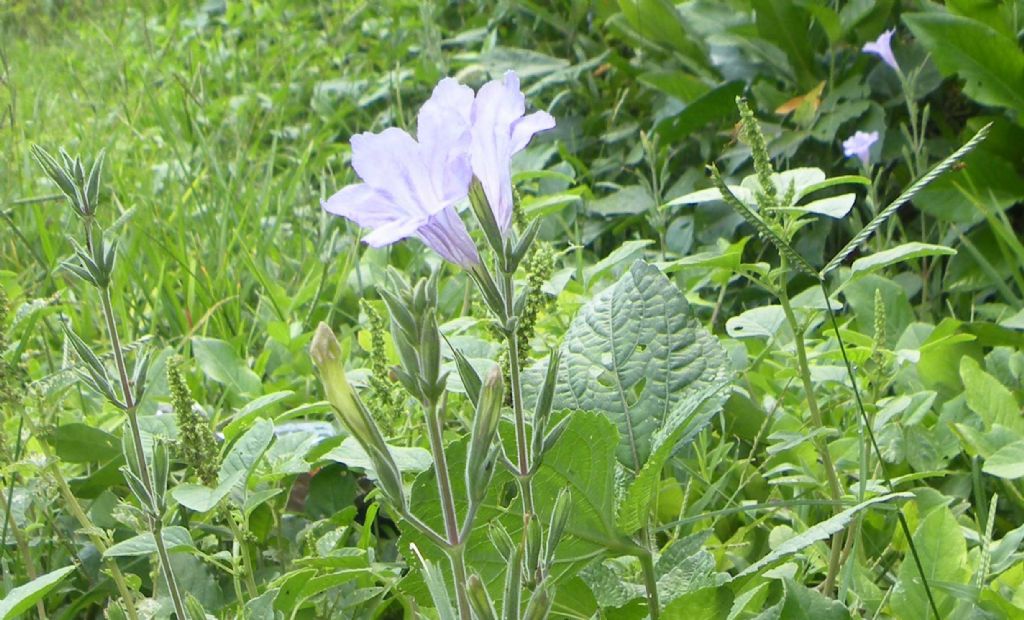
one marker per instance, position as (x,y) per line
(451,525)
(156,525)
(835,488)
(524,473)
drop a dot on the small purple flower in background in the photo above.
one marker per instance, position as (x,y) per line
(410,186)
(500,130)
(859,145)
(882,47)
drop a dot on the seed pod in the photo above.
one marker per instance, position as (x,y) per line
(500,539)
(540,603)
(559,517)
(534,543)
(480,459)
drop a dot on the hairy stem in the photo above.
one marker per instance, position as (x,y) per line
(515,381)
(451,524)
(650,585)
(156,525)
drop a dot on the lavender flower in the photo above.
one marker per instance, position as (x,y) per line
(882,47)
(410,186)
(859,145)
(499,131)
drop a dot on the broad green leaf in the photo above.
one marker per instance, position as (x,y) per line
(589,474)
(834,206)
(818,531)
(898,254)
(688,418)
(703,604)
(247,450)
(759,322)
(990,63)
(175,538)
(409,460)
(202,498)
(251,409)
(659,21)
(623,255)
(629,200)
(633,353)
(942,550)
(714,106)
(802,603)
(785,24)
(989,398)
(81,443)
(1007,462)
(24,597)
(218,361)
(261,607)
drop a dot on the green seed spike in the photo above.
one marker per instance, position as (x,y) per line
(762,227)
(907,195)
(750,133)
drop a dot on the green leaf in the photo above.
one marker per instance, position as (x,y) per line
(898,254)
(689,417)
(175,538)
(24,597)
(836,207)
(634,353)
(703,604)
(251,409)
(802,603)
(409,460)
(785,24)
(81,443)
(818,531)
(714,106)
(990,63)
(247,450)
(659,21)
(218,361)
(1007,462)
(989,398)
(589,475)
(201,498)
(942,550)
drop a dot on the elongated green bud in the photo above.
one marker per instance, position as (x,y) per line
(500,539)
(353,415)
(513,584)
(559,517)
(540,603)
(485,215)
(480,460)
(479,600)
(534,543)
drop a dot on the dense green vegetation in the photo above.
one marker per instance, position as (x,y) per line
(758,319)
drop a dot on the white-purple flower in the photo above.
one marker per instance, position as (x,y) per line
(882,47)
(500,130)
(859,145)
(410,187)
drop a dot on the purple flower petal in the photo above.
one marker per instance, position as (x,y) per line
(859,145)
(446,234)
(499,131)
(882,47)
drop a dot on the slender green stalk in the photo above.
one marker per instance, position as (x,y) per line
(878,453)
(650,585)
(835,488)
(243,561)
(454,547)
(522,447)
(156,524)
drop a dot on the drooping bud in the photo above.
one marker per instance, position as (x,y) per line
(481,456)
(353,415)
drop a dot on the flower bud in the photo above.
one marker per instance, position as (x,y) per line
(485,215)
(479,600)
(559,517)
(533,547)
(353,415)
(540,603)
(480,459)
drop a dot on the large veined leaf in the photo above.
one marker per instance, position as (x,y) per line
(942,550)
(692,415)
(22,598)
(990,63)
(633,353)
